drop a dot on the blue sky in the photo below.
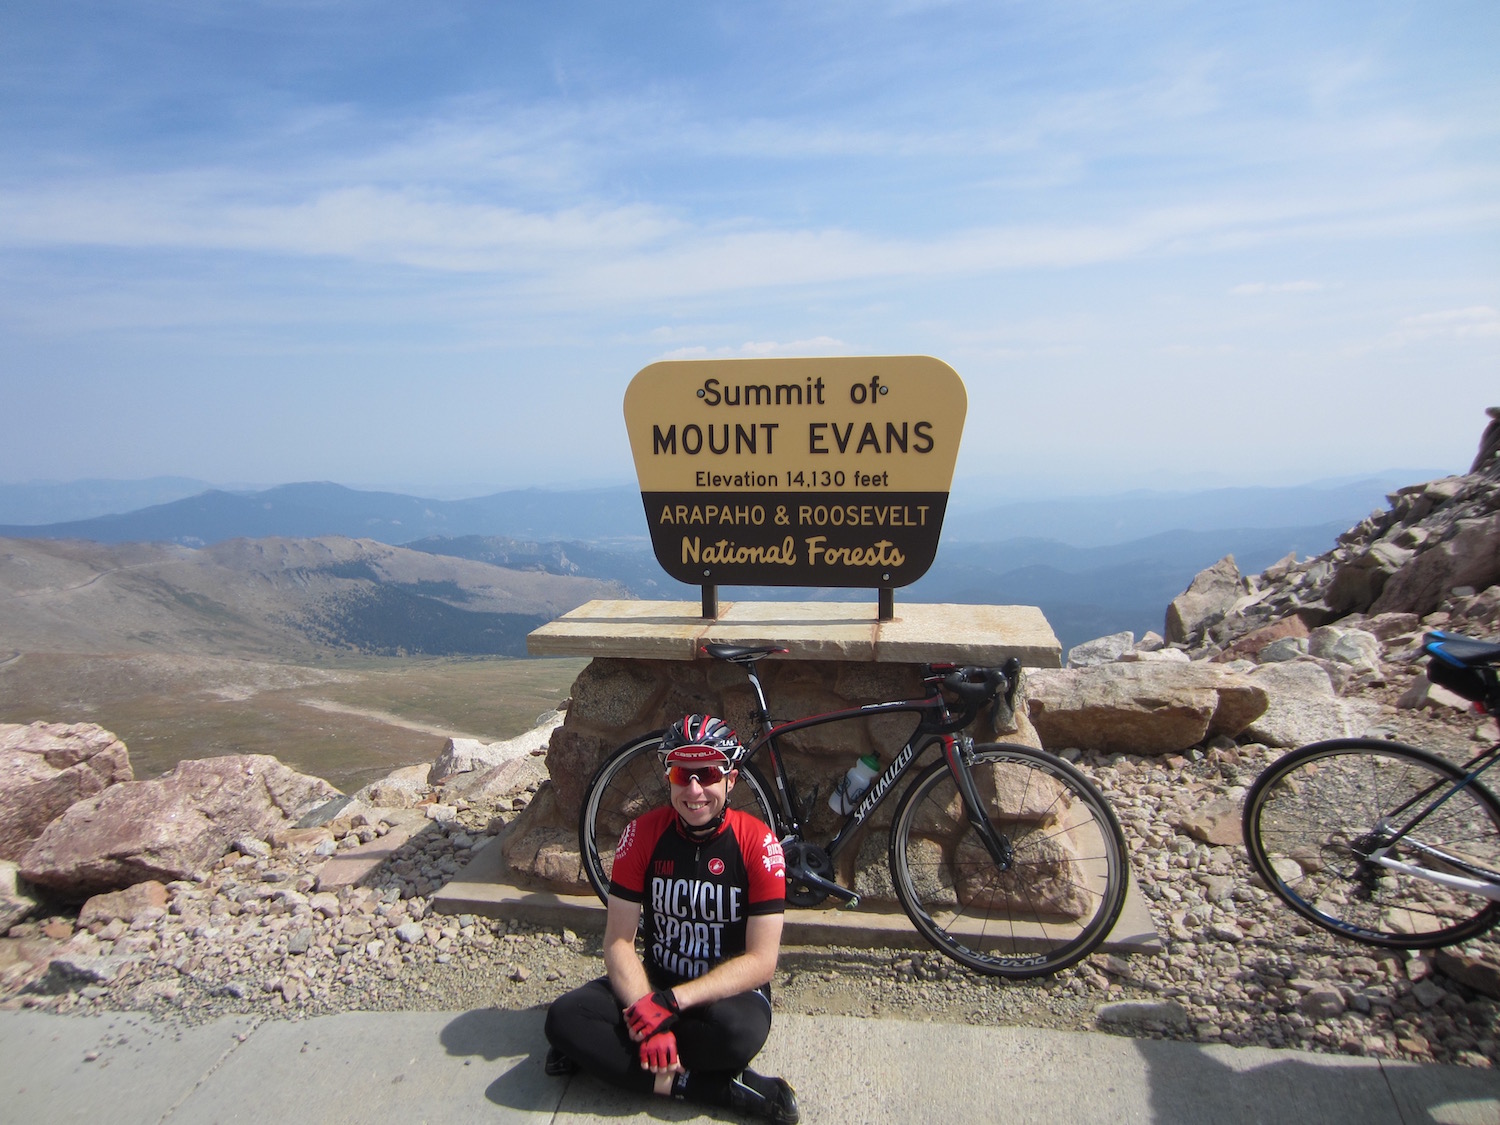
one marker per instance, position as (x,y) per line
(427,246)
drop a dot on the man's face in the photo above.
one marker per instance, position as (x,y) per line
(698,803)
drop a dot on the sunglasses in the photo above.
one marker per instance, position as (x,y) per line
(705,775)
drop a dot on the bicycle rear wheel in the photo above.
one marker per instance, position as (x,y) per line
(1313,815)
(1062,892)
(630,782)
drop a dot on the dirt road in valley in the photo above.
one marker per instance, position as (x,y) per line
(387,718)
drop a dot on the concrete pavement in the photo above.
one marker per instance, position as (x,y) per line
(486,1066)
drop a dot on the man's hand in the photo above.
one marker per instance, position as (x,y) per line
(659,1054)
(651,1014)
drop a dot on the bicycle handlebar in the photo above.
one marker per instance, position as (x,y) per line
(975,686)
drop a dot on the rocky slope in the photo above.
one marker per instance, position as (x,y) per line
(1434,553)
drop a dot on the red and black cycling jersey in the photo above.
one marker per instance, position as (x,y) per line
(696,898)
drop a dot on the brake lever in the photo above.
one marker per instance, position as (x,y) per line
(1003,706)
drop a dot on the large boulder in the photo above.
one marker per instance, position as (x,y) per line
(174,827)
(498,783)
(542,845)
(44,768)
(1253,643)
(402,788)
(1303,705)
(460,755)
(146,900)
(1469,557)
(17,903)
(1358,581)
(1140,708)
(1101,650)
(572,757)
(1489,441)
(469,755)
(1209,597)
(1357,648)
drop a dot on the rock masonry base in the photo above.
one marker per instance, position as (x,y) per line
(839,656)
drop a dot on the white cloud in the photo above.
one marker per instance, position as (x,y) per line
(817,345)
(1255,288)
(1475,321)
(672,333)
(595,252)
(359,223)
(1197,351)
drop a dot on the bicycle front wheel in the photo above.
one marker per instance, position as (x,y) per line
(1314,816)
(630,782)
(1051,905)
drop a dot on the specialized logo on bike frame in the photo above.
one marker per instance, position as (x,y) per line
(796,472)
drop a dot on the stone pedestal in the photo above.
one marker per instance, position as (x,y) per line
(648,671)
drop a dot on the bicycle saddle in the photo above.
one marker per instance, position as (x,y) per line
(740,654)
(1462,650)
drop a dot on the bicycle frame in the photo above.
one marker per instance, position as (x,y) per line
(936,716)
(1484,883)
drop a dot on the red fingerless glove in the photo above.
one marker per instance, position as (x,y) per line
(659,1052)
(651,1014)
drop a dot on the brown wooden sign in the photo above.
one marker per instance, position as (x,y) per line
(796,472)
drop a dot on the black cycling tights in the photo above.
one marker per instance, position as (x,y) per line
(588,1026)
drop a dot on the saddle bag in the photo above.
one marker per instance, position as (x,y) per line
(1461,679)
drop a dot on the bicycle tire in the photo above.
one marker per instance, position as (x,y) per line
(1060,897)
(1308,807)
(630,782)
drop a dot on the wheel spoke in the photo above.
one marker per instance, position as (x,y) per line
(1315,816)
(1057,899)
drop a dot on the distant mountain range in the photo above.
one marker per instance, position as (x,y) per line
(1094,565)
(41,502)
(1094,521)
(1090,592)
(304,510)
(605,514)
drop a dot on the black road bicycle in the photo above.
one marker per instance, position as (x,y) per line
(1381,842)
(1005,857)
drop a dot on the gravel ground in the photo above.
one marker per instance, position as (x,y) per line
(1236,967)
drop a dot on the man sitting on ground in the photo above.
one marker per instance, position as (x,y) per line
(710,883)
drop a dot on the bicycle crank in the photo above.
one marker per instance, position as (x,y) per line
(809,874)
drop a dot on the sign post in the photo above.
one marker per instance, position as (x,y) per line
(796,472)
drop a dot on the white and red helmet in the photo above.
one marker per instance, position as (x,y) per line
(700,740)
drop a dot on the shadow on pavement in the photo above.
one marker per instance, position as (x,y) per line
(492,1034)
(1232,1085)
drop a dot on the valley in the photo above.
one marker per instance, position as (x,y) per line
(349,720)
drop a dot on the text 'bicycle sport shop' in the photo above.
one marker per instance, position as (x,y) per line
(796,472)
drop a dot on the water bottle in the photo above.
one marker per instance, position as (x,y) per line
(852,785)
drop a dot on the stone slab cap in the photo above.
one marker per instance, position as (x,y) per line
(808,630)
(969,634)
(920,633)
(631,629)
